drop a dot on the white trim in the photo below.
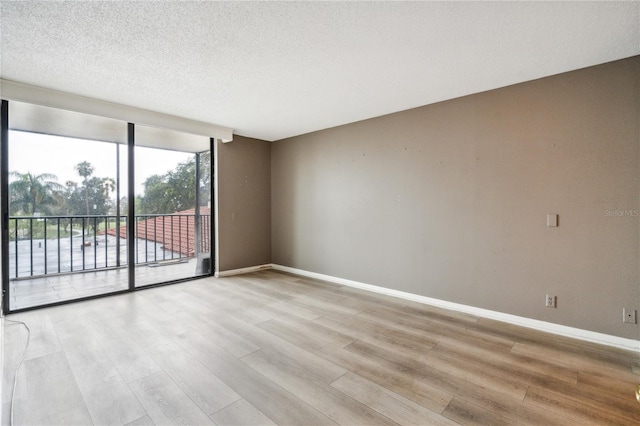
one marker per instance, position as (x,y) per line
(216,206)
(240,271)
(562,330)
(12,90)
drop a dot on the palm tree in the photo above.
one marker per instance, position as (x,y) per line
(31,193)
(85,169)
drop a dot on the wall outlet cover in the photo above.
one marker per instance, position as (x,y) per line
(629,316)
(550,301)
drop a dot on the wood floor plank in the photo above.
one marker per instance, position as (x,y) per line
(43,339)
(166,403)
(321,306)
(257,289)
(621,402)
(325,336)
(596,397)
(293,377)
(131,361)
(323,370)
(230,342)
(439,315)
(74,311)
(476,371)
(504,367)
(241,413)
(375,333)
(483,368)
(574,410)
(108,398)
(244,308)
(142,421)
(394,406)
(615,387)
(299,296)
(439,330)
(487,412)
(175,323)
(581,362)
(278,404)
(6,413)
(53,395)
(376,370)
(600,353)
(420,356)
(291,289)
(289,310)
(276,300)
(198,383)
(536,370)
(16,337)
(468,413)
(455,378)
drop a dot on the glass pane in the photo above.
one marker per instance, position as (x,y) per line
(64,193)
(172,217)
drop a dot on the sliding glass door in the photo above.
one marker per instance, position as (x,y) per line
(63,185)
(68,202)
(172,220)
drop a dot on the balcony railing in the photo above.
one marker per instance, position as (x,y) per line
(47,245)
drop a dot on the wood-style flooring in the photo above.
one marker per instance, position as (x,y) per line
(271,348)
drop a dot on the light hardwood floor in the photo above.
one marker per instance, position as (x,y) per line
(271,348)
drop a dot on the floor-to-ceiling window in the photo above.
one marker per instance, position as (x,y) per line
(63,192)
(67,200)
(172,218)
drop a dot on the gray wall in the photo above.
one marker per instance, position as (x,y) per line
(244,203)
(450,200)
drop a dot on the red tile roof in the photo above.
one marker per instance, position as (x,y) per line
(174,231)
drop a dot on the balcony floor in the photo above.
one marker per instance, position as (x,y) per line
(26,293)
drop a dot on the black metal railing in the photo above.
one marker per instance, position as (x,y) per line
(47,245)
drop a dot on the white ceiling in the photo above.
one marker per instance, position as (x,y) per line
(272,70)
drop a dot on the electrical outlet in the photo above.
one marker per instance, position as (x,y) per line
(629,316)
(550,301)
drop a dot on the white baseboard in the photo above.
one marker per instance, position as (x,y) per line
(562,330)
(240,271)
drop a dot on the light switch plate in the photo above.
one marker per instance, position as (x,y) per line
(552,220)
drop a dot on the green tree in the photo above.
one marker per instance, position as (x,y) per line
(30,193)
(85,169)
(174,191)
(92,197)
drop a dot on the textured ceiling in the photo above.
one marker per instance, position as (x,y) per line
(272,70)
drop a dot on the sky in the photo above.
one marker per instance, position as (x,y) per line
(38,154)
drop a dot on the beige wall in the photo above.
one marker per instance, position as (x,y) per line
(244,203)
(450,200)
